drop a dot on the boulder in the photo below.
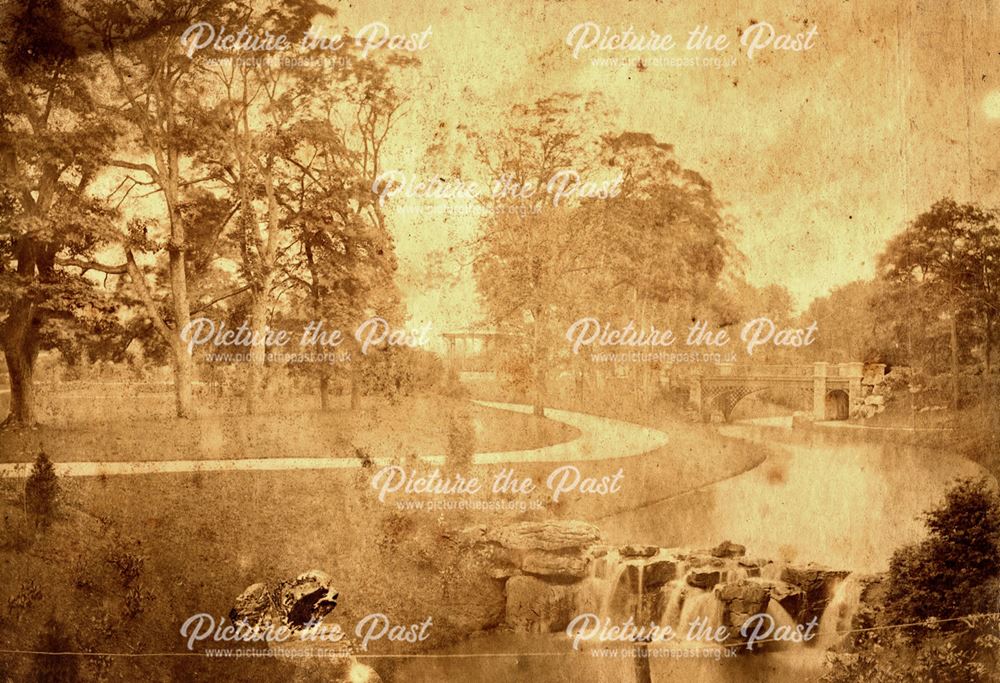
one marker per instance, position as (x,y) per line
(638,550)
(549,535)
(555,565)
(817,584)
(790,597)
(704,578)
(254,606)
(309,596)
(701,559)
(728,549)
(536,606)
(743,600)
(658,572)
(475,605)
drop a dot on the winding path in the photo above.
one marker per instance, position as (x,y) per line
(600,438)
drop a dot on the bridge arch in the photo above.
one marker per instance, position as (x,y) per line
(837,405)
(829,385)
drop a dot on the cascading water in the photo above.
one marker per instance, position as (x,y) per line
(772,571)
(616,590)
(736,574)
(836,620)
(674,593)
(702,605)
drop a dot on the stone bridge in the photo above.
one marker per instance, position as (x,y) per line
(834,391)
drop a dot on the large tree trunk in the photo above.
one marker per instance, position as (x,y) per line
(954,360)
(21,369)
(324,389)
(183,376)
(183,364)
(539,393)
(355,386)
(255,372)
(539,360)
(20,347)
(988,344)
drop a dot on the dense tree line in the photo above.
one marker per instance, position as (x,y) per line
(184,181)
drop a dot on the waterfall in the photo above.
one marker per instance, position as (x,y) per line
(699,604)
(839,613)
(674,590)
(737,574)
(772,571)
(613,586)
(639,607)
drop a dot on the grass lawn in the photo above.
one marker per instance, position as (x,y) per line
(414,426)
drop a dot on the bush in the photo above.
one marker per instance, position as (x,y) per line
(397,371)
(949,574)
(948,585)
(41,490)
(127,564)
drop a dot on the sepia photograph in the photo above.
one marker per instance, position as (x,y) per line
(394,341)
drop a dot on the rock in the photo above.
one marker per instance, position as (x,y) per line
(535,606)
(703,560)
(874,400)
(495,560)
(816,582)
(638,550)
(474,601)
(751,564)
(589,595)
(658,572)
(473,534)
(543,563)
(598,551)
(253,606)
(309,596)
(550,535)
(728,549)
(790,597)
(704,578)
(743,600)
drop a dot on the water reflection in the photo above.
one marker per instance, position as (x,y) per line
(847,505)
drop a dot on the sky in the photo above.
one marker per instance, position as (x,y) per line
(819,155)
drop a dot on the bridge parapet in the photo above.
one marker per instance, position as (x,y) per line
(731,382)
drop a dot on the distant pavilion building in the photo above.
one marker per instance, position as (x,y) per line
(475,350)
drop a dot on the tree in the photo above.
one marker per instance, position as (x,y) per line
(945,261)
(41,490)
(253,111)
(540,267)
(528,247)
(342,263)
(947,586)
(153,98)
(51,143)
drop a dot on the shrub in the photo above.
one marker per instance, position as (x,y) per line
(948,583)
(949,573)
(127,563)
(41,490)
